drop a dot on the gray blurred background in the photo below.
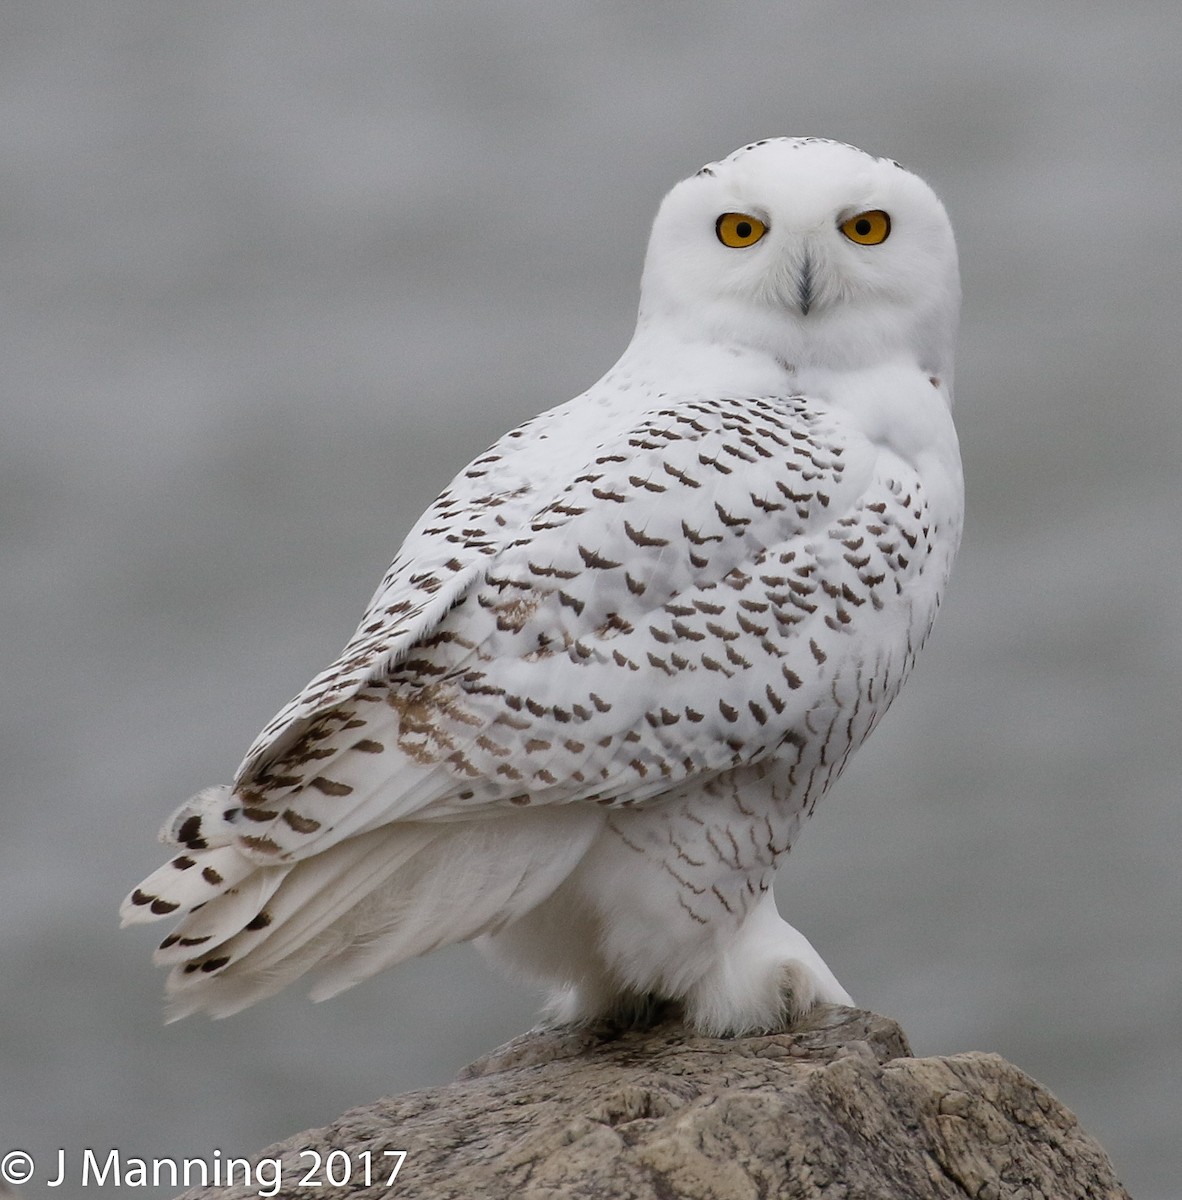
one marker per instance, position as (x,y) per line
(274,271)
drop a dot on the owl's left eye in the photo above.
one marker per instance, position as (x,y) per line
(868,228)
(739,229)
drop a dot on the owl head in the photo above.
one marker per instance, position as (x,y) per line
(809,250)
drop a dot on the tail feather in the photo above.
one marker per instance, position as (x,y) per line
(314,895)
(206,925)
(429,905)
(374,900)
(185,882)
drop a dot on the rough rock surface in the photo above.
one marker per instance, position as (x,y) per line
(835,1108)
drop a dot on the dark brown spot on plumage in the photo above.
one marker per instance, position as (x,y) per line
(684,631)
(260,815)
(640,538)
(735,452)
(183,862)
(680,476)
(721,468)
(299,823)
(735,657)
(697,537)
(330,787)
(212,877)
(267,781)
(750,626)
(261,845)
(550,571)
(495,748)
(731,522)
(163,907)
(595,560)
(190,832)
(259,922)
(214,964)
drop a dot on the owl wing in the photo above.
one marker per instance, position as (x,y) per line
(676,609)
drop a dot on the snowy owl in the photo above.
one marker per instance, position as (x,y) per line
(619,660)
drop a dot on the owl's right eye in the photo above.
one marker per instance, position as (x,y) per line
(738,230)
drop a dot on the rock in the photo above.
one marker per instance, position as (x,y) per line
(834,1108)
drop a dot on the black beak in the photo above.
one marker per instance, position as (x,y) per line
(804,286)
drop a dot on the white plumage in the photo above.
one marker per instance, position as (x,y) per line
(622,656)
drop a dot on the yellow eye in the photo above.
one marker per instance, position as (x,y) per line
(868,228)
(739,229)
